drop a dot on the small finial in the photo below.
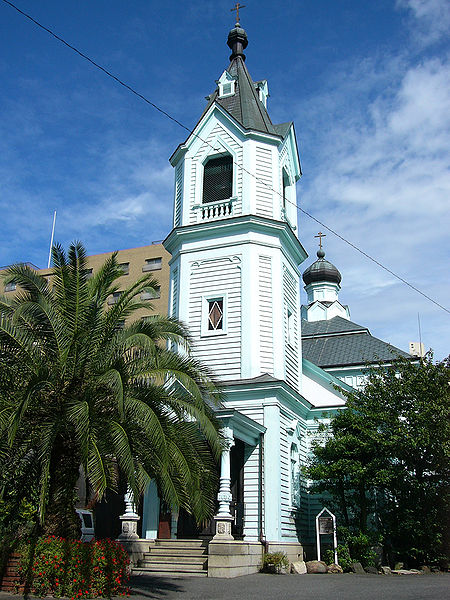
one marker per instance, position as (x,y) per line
(236,8)
(237,38)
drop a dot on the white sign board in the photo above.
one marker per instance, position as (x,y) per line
(326,525)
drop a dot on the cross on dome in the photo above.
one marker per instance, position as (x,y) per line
(320,235)
(236,8)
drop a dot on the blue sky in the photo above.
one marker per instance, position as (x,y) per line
(366,83)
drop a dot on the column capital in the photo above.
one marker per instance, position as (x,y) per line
(227,438)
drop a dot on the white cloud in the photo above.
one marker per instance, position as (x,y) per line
(432,18)
(379,175)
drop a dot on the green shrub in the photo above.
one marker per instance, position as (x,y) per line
(361,549)
(344,558)
(276,561)
(59,567)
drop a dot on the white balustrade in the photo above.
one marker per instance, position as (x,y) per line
(215,210)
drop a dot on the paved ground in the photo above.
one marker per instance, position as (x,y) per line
(290,587)
(293,587)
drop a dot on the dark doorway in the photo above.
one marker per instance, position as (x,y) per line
(237,488)
(187,527)
(165,521)
(107,513)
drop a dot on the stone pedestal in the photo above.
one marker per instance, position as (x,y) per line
(129,527)
(223,528)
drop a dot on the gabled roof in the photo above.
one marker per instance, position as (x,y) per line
(338,342)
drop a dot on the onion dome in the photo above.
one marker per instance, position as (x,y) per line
(237,41)
(321,271)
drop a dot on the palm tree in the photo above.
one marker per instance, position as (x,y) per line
(82,392)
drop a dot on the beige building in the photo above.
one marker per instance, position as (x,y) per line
(135,263)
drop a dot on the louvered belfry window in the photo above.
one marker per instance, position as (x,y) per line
(218,179)
(215,314)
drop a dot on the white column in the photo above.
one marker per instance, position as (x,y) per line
(272,472)
(224,496)
(223,518)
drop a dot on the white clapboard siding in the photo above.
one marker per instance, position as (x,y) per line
(178,195)
(290,294)
(310,504)
(222,353)
(252,480)
(288,515)
(207,147)
(174,305)
(251,492)
(264,182)
(265,315)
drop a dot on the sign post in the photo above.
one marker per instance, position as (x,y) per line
(326,525)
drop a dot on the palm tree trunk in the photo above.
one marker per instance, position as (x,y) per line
(61,518)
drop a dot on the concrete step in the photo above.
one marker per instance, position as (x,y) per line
(171,574)
(175,560)
(179,543)
(175,568)
(194,552)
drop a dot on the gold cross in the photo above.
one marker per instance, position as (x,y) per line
(320,236)
(236,8)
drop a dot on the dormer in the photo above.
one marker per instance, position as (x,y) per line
(227,85)
(263,91)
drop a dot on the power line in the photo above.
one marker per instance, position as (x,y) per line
(190,131)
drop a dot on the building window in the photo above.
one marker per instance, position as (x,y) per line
(227,85)
(215,314)
(11,286)
(295,477)
(152,264)
(285,187)
(218,179)
(152,294)
(114,298)
(227,89)
(125,268)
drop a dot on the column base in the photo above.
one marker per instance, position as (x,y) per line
(223,528)
(129,527)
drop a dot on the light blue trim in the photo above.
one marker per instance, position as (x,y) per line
(317,373)
(232,124)
(209,230)
(244,428)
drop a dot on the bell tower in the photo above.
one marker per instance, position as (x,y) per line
(234,245)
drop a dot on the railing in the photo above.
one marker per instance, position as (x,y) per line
(215,210)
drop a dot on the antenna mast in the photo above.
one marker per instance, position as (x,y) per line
(51,240)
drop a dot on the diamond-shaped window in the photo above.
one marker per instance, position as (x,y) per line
(215,314)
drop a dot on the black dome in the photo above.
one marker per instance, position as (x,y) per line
(321,270)
(237,41)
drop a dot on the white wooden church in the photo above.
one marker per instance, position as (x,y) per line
(235,281)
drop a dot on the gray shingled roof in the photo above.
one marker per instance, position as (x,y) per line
(334,325)
(338,342)
(264,378)
(244,105)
